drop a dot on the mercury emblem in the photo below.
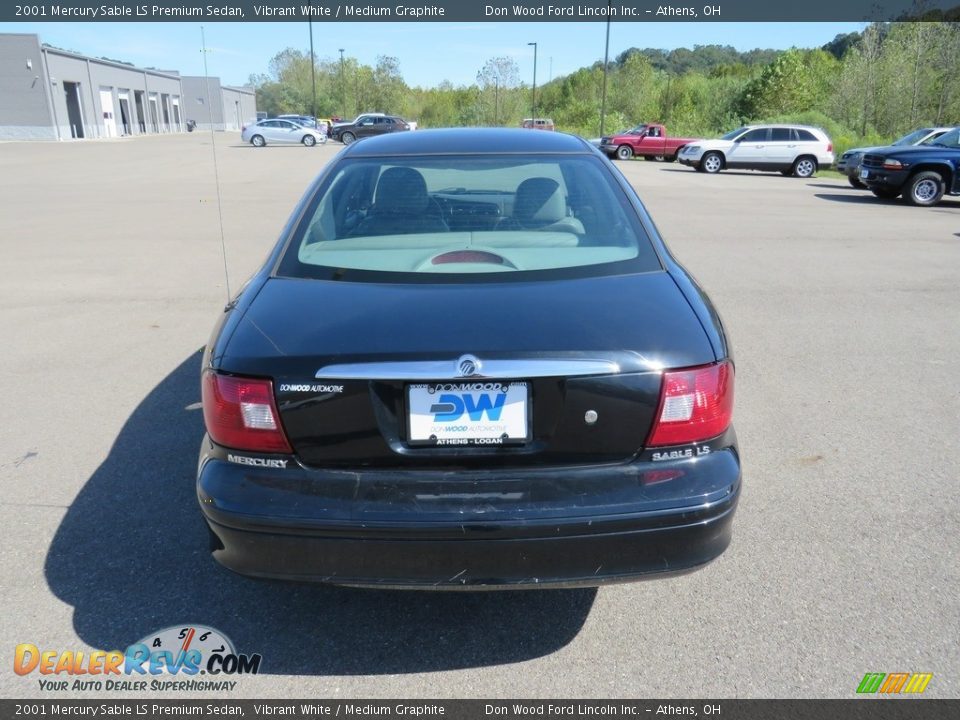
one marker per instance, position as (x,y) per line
(468,366)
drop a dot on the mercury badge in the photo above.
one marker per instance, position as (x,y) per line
(468,366)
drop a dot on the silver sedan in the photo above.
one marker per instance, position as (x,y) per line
(279,131)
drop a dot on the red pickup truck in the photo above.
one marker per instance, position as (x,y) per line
(647,139)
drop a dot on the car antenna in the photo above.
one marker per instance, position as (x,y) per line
(216,169)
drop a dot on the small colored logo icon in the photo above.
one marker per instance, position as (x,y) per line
(894,683)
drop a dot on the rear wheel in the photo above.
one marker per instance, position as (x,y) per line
(258,141)
(804,167)
(672,158)
(885,193)
(347,138)
(309,140)
(712,163)
(924,189)
(856,182)
(624,152)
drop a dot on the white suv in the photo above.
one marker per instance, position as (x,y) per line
(798,150)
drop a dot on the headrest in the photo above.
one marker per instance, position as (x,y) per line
(401,190)
(539,199)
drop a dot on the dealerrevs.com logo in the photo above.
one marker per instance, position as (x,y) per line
(172,659)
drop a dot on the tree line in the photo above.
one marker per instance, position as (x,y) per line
(862,88)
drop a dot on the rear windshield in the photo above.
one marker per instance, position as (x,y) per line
(476,218)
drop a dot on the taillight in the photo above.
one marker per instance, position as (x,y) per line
(829,147)
(241,413)
(695,405)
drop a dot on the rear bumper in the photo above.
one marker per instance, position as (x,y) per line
(470,529)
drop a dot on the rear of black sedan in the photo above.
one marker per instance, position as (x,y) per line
(470,361)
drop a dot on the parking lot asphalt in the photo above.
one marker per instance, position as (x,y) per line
(844,314)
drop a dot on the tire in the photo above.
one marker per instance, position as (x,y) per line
(856,182)
(804,167)
(258,141)
(924,189)
(885,193)
(672,158)
(309,140)
(347,138)
(712,163)
(624,152)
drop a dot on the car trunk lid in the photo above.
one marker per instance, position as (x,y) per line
(581,358)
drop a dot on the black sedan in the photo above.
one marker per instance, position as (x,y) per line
(469,361)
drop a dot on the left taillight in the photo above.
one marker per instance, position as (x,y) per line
(241,413)
(695,405)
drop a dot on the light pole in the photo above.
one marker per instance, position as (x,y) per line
(534,99)
(606,59)
(313,69)
(481,85)
(343,90)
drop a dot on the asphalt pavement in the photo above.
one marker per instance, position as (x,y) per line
(844,313)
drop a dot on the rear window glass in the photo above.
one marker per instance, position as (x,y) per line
(475,218)
(806,135)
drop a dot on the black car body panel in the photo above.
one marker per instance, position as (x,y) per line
(590,525)
(362,424)
(579,502)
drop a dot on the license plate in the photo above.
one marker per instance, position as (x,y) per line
(468,413)
(864,173)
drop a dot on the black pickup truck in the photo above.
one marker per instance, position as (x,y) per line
(922,174)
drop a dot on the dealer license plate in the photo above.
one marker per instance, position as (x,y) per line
(468,413)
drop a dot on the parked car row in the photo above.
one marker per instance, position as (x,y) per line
(310,130)
(849,163)
(922,166)
(922,173)
(798,150)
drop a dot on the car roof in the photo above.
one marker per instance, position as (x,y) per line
(784,125)
(469,141)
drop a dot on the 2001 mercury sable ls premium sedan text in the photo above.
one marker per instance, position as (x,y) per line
(469,361)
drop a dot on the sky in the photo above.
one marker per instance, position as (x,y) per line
(429,53)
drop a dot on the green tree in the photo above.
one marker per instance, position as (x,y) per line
(796,81)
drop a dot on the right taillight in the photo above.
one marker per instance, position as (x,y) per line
(695,404)
(241,413)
